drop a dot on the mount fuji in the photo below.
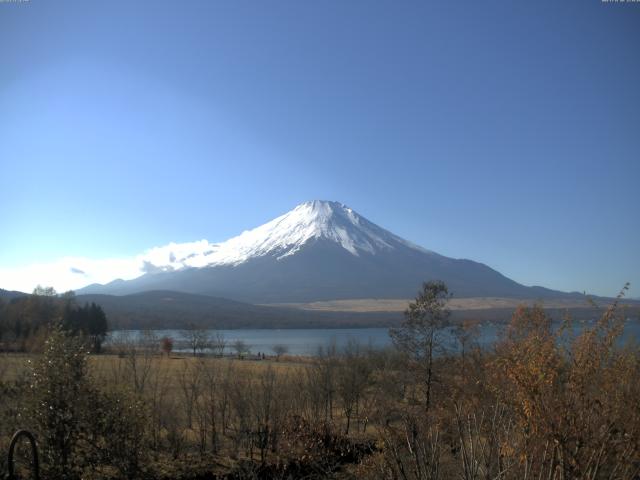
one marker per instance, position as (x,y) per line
(318,251)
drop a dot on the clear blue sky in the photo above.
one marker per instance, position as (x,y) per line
(505,132)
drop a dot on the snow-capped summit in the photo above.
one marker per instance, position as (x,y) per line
(320,250)
(316,219)
(281,237)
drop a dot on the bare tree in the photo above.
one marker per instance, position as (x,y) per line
(197,338)
(412,450)
(207,406)
(280,349)
(321,380)
(352,380)
(135,359)
(189,381)
(465,334)
(241,348)
(218,344)
(157,395)
(269,406)
(224,396)
(240,417)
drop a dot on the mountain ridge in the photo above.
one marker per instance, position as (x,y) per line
(320,250)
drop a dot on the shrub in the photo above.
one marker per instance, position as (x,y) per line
(79,426)
(60,389)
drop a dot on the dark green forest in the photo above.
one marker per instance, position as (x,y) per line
(26,321)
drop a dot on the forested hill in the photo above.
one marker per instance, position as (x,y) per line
(168,309)
(26,321)
(23,314)
(10,294)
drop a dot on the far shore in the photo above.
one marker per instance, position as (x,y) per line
(364,305)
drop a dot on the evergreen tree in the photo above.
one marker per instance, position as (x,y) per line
(418,335)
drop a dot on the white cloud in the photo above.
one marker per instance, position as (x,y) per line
(62,274)
(72,273)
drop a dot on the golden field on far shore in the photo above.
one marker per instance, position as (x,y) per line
(399,305)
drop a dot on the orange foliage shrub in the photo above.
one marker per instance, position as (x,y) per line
(574,400)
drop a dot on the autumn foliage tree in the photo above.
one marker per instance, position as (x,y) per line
(572,398)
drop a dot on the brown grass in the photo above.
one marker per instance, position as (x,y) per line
(364,305)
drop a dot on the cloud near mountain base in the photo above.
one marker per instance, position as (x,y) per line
(71,273)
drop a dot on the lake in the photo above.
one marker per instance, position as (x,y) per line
(308,341)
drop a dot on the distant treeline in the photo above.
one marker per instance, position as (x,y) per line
(156,310)
(25,322)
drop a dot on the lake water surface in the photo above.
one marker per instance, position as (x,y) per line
(308,341)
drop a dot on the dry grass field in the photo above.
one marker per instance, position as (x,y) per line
(400,305)
(16,365)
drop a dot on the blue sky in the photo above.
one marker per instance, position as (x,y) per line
(504,132)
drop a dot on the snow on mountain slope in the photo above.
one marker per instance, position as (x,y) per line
(282,237)
(317,251)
